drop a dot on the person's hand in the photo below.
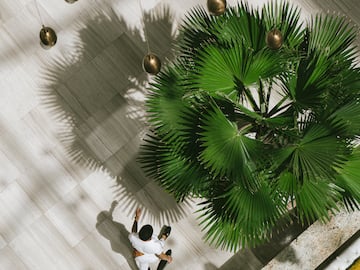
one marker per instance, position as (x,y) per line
(137,213)
(169,259)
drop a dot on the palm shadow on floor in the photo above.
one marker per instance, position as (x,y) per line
(99,95)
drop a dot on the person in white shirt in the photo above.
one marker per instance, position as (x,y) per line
(148,248)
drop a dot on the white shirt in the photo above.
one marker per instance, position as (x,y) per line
(149,248)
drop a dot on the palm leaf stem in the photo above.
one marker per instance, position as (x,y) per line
(263,104)
(251,99)
(277,108)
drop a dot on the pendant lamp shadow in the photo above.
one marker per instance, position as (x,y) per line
(216,7)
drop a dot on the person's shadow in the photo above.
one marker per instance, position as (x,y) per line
(116,233)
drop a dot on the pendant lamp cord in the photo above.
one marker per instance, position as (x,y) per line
(144,26)
(38,12)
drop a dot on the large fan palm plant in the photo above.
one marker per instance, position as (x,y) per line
(256,131)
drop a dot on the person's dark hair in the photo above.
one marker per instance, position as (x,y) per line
(146,232)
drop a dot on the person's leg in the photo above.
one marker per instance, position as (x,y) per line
(142,265)
(163,263)
(164,233)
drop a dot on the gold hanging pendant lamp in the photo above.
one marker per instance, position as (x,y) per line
(151,64)
(216,7)
(48,36)
(274,39)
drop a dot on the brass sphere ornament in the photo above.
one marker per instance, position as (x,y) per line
(48,36)
(151,64)
(274,39)
(216,7)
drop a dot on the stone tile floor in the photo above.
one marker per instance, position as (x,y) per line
(71,120)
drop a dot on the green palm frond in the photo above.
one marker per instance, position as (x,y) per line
(228,71)
(174,171)
(237,217)
(329,55)
(344,91)
(348,179)
(314,156)
(285,18)
(287,185)
(244,26)
(346,119)
(332,37)
(227,150)
(349,82)
(214,63)
(314,200)
(251,129)
(309,84)
(165,103)
(197,29)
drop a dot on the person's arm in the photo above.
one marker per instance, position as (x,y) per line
(134,228)
(163,256)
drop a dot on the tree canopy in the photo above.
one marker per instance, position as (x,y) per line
(253,130)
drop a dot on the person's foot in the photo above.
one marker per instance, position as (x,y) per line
(166,232)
